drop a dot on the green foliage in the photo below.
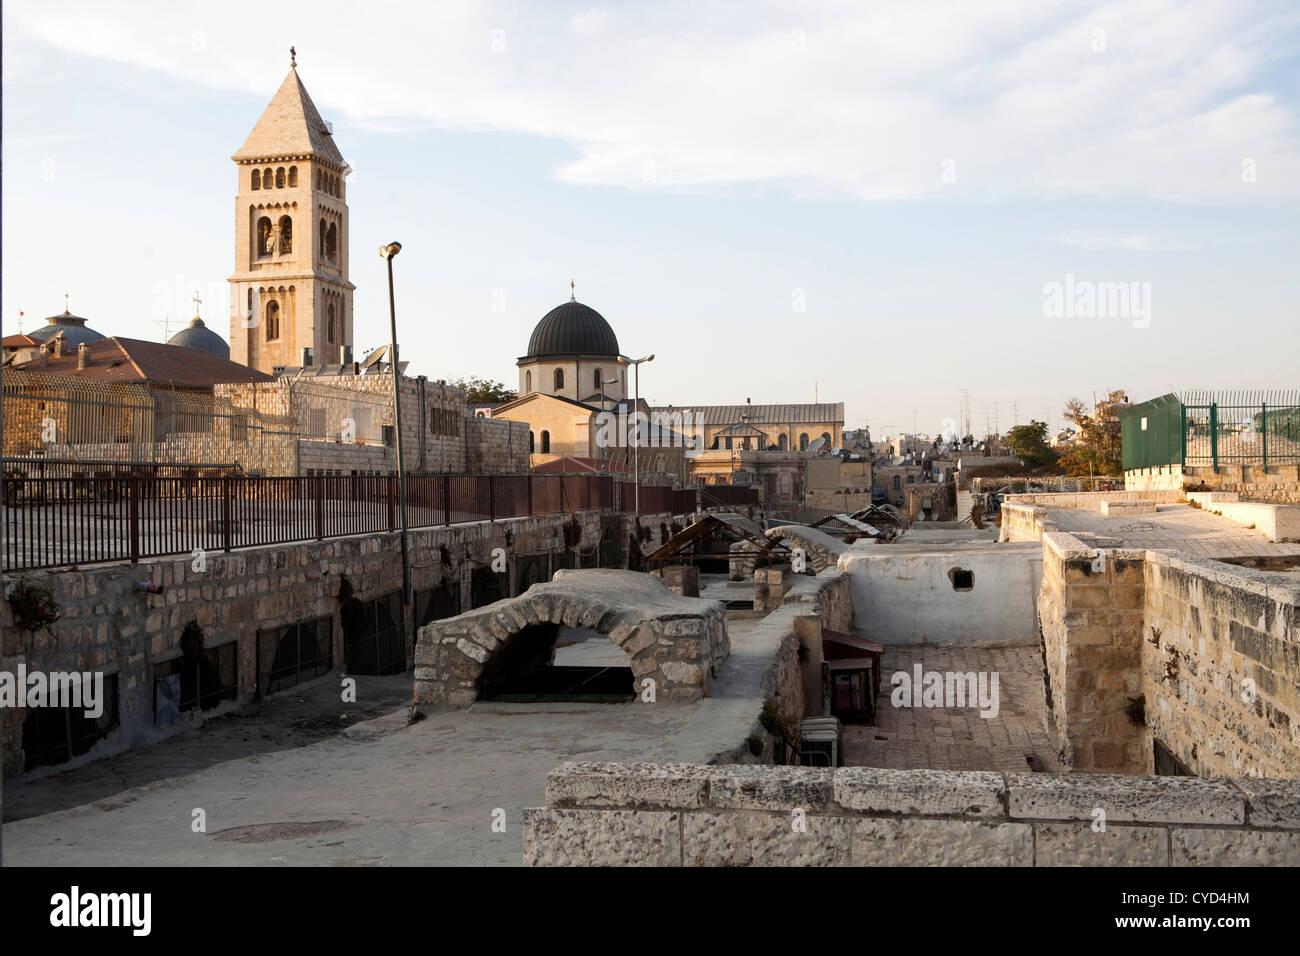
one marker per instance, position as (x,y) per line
(1029,444)
(1097,448)
(483,390)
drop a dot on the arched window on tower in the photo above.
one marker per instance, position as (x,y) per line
(826,440)
(596,377)
(321,232)
(293,176)
(264,237)
(329,324)
(782,442)
(528,383)
(279,178)
(559,379)
(266,178)
(332,242)
(272,320)
(257,179)
(286,234)
(803,442)
(546,443)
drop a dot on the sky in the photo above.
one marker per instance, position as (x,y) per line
(882,204)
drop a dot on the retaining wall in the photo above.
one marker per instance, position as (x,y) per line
(605,814)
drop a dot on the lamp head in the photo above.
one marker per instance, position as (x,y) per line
(390,250)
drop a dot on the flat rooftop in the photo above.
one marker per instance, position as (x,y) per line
(1175,527)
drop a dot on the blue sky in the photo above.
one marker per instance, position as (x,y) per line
(912,174)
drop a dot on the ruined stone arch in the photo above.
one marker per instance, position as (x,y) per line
(674,641)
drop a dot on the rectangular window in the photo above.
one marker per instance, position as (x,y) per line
(181,684)
(54,735)
(374,639)
(295,653)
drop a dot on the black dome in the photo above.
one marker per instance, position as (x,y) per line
(572,329)
(198,336)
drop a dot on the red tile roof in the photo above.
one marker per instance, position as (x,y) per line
(133,360)
(17,341)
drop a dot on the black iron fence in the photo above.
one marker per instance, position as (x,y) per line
(56,521)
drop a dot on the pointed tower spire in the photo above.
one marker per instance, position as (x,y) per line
(290,126)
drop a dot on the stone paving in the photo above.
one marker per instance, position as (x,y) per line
(939,738)
(1174,527)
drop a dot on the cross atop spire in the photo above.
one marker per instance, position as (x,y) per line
(293,58)
(65,304)
(572,296)
(197,302)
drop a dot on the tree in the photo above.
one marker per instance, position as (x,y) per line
(1097,448)
(480,391)
(1029,444)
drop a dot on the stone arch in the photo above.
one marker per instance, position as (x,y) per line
(286,234)
(672,640)
(264,236)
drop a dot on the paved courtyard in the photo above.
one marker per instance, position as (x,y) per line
(943,738)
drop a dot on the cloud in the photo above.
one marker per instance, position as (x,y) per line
(891,101)
(1099,242)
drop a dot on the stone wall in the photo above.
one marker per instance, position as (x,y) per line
(1280,484)
(1221,666)
(1090,610)
(495,446)
(109,625)
(607,814)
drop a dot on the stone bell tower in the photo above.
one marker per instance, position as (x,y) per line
(290,298)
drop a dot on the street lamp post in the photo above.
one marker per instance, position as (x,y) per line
(636,411)
(387,253)
(603,383)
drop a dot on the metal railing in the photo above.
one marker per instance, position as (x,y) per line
(1199,429)
(59,521)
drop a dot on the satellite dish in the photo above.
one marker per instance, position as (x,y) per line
(816,445)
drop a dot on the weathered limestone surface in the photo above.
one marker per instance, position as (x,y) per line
(798,816)
(677,642)
(1090,609)
(1220,665)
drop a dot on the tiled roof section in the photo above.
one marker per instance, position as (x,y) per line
(290,126)
(133,360)
(17,341)
(762,414)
